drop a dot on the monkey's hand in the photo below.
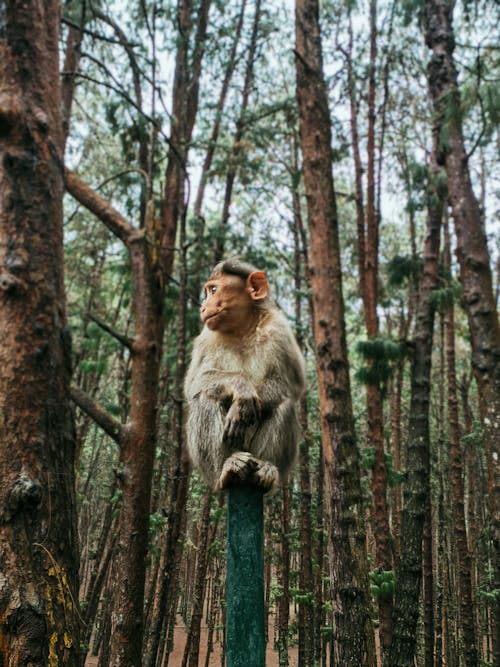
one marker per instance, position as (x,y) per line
(243,412)
(243,467)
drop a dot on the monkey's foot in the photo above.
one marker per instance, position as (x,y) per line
(243,467)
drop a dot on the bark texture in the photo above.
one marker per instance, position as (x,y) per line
(353,642)
(472,253)
(465,596)
(39,624)
(368,248)
(417,485)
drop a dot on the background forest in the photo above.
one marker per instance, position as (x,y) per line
(189,135)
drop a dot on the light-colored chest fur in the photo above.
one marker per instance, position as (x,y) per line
(252,358)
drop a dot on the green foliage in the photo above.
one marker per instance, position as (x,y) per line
(401,268)
(156,523)
(444,297)
(303,597)
(491,596)
(394,477)
(368,457)
(382,582)
(416,176)
(113,409)
(79,11)
(93,366)
(475,438)
(410,10)
(116,502)
(379,353)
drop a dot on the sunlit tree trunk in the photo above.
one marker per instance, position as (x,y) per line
(39,622)
(354,645)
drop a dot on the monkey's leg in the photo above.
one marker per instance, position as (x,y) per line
(243,467)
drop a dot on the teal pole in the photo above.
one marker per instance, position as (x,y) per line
(245,645)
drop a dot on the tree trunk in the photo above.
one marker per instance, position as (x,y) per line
(428,587)
(136,463)
(212,143)
(39,622)
(382,533)
(354,645)
(466,601)
(305,614)
(137,439)
(168,578)
(417,485)
(368,235)
(185,106)
(238,135)
(473,258)
(284,579)
(70,68)
(192,648)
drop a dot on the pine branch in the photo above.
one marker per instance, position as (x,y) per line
(101,208)
(99,414)
(124,340)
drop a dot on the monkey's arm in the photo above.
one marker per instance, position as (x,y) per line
(285,378)
(231,390)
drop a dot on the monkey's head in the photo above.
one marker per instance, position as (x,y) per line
(235,295)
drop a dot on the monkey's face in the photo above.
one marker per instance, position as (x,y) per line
(230,302)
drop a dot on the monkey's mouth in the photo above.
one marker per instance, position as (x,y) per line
(212,316)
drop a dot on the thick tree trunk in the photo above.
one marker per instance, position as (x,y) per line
(472,253)
(39,622)
(417,485)
(136,464)
(354,645)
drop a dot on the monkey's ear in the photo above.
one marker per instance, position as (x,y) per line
(257,285)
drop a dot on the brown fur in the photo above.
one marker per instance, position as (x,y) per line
(242,388)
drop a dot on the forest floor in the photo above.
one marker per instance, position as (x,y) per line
(180,640)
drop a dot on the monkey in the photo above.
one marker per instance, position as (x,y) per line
(244,382)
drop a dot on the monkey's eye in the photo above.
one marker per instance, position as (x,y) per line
(211,289)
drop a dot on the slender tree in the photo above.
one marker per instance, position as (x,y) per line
(368,262)
(457,485)
(240,129)
(417,487)
(39,622)
(472,253)
(354,644)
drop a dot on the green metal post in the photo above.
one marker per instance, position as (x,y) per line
(245,644)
